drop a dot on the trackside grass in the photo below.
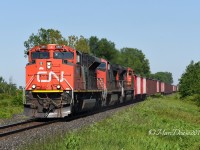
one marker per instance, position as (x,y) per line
(157,123)
(8,108)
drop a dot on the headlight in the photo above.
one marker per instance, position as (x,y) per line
(43,47)
(58,46)
(48,65)
(33,86)
(58,86)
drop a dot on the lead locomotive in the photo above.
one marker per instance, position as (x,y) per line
(61,81)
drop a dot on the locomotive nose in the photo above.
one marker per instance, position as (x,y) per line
(49,74)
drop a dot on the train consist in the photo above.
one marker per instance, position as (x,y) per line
(61,81)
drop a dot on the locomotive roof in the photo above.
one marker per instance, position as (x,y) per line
(51,47)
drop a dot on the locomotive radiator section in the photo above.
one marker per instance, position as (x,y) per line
(48,105)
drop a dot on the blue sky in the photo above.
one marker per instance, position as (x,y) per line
(167,31)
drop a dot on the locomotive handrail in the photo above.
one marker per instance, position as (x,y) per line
(104,93)
(122,86)
(71,89)
(99,80)
(27,85)
(29,82)
(23,96)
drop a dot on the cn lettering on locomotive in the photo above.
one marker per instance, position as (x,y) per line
(50,75)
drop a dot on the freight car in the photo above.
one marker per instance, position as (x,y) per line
(61,81)
(140,87)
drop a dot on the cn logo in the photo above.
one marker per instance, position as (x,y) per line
(50,74)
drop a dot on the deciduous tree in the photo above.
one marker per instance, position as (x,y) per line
(189,83)
(43,37)
(82,45)
(134,58)
(163,76)
(103,48)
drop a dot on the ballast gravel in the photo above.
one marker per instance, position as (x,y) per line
(38,134)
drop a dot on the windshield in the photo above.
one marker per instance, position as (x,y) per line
(40,55)
(102,66)
(63,55)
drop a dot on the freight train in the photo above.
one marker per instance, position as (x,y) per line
(61,81)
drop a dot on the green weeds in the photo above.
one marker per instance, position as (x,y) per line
(9,107)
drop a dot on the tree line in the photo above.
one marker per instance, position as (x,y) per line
(9,90)
(6,88)
(103,48)
(189,83)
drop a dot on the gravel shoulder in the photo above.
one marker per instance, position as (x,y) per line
(15,119)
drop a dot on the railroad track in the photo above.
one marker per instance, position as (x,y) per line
(23,126)
(36,123)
